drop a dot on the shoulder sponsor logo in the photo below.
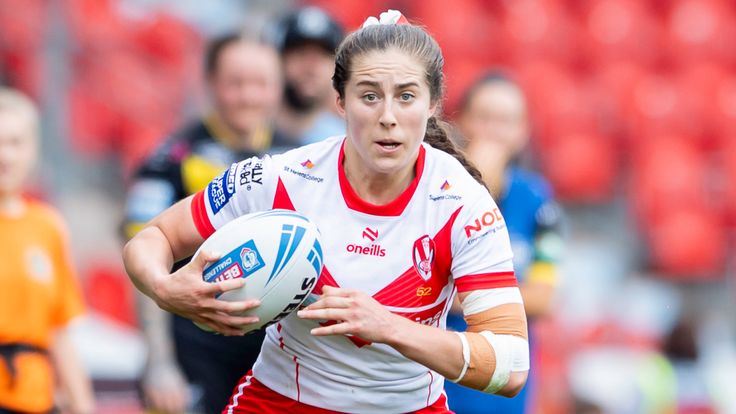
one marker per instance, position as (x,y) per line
(445,197)
(308,164)
(308,177)
(373,250)
(488,223)
(252,173)
(445,187)
(221,189)
(423,256)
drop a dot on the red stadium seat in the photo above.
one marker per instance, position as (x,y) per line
(467,32)
(539,29)
(700,85)
(617,30)
(725,107)
(559,103)
(96,24)
(171,44)
(655,105)
(109,292)
(351,14)
(92,122)
(581,167)
(702,30)
(668,171)
(688,244)
(22,24)
(612,85)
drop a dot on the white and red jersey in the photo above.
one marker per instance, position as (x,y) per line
(443,234)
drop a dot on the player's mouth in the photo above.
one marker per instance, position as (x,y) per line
(388,145)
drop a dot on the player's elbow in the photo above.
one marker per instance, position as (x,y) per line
(517,380)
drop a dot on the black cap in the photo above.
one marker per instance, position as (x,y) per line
(307,25)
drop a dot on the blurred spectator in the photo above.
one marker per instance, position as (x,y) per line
(244,83)
(691,392)
(308,39)
(493,118)
(39,295)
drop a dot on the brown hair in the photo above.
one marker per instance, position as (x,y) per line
(415,41)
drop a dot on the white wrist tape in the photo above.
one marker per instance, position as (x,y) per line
(466,356)
(512,354)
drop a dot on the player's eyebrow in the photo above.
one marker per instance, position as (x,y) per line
(407,85)
(368,83)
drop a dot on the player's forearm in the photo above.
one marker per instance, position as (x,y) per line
(148,257)
(72,377)
(435,348)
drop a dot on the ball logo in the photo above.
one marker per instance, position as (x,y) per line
(249,258)
(423,256)
(240,262)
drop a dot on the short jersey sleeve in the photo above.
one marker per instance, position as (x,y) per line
(245,187)
(482,256)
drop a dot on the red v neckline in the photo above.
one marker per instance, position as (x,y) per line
(393,208)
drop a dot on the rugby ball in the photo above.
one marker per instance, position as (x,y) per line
(279,255)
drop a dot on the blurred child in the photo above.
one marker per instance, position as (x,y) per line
(39,295)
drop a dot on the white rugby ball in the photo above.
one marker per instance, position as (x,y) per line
(279,255)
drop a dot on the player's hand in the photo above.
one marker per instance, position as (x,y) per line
(356,314)
(164,388)
(186,294)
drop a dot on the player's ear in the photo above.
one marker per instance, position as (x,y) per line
(340,104)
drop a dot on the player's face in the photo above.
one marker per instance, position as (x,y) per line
(496,115)
(387,104)
(17,151)
(246,85)
(308,69)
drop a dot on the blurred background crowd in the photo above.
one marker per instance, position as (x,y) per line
(633,122)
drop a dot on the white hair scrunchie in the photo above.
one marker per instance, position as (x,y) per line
(388,17)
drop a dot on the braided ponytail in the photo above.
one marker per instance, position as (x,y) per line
(437,136)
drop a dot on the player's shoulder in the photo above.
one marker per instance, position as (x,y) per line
(311,156)
(449,180)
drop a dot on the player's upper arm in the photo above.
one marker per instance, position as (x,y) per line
(177,225)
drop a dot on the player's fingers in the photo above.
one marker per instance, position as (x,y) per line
(214,322)
(242,321)
(324,314)
(335,291)
(225,286)
(231,308)
(205,257)
(331,302)
(342,328)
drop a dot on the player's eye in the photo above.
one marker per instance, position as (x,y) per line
(406,96)
(370,97)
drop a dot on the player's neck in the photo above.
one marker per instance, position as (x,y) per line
(377,188)
(11,205)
